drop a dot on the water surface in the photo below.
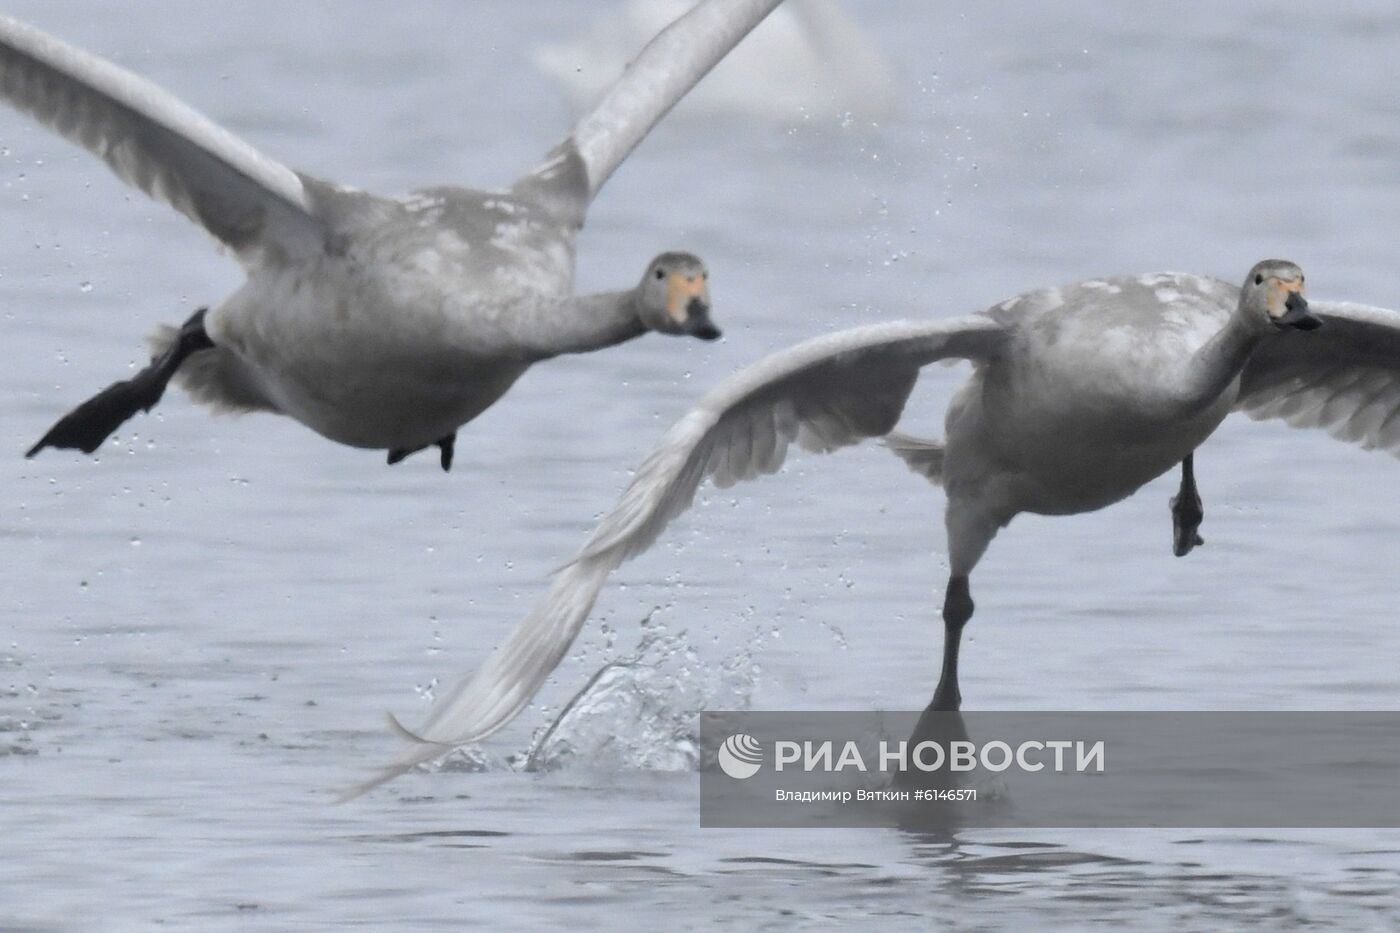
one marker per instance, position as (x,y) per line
(204,625)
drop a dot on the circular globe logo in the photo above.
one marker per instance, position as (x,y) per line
(740,756)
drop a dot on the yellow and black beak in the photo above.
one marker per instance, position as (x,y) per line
(1295,311)
(688,305)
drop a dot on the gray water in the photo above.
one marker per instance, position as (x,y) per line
(204,625)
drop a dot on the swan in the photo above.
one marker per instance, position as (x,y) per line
(378,322)
(1080,395)
(809,60)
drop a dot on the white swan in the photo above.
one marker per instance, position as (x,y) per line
(809,60)
(377,322)
(1081,395)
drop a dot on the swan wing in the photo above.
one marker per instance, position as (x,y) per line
(667,68)
(824,394)
(156,143)
(1343,377)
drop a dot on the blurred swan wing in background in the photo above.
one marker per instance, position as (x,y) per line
(808,61)
(667,68)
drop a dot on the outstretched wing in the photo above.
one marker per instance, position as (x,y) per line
(1343,377)
(824,394)
(665,71)
(156,143)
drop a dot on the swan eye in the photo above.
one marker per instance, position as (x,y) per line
(705,276)
(661,273)
(1258,279)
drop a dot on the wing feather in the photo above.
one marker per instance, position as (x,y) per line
(1343,378)
(829,392)
(156,143)
(666,69)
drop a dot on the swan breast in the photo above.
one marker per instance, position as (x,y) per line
(1091,400)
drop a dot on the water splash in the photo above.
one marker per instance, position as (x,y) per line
(641,711)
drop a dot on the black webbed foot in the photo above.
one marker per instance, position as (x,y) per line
(1186,518)
(87,426)
(1187,512)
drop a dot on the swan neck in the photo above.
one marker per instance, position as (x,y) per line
(1219,362)
(594,322)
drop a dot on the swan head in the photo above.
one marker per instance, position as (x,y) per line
(674,297)
(1273,293)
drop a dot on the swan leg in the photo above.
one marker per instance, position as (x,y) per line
(445,448)
(971,527)
(957,609)
(1187,511)
(87,426)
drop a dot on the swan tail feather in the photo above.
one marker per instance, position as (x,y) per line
(923,456)
(215,377)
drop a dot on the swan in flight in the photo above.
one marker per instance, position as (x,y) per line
(809,60)
(1080,395)
(379,322)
